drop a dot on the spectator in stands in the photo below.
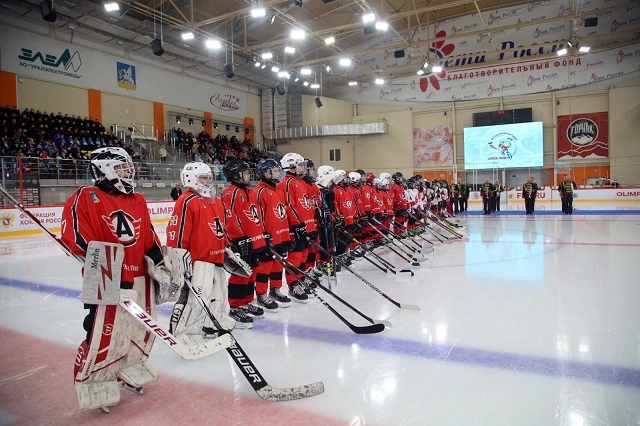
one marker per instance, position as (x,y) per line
(162,152)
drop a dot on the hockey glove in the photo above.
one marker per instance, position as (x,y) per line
(364,220)
(300,232)
(339,223)
(165,290)
(242,246)
(234,264)
(313,235)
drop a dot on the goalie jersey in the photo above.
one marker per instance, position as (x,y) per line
(197,225)
(91,214)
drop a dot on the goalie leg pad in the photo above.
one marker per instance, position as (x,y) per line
(219,305)
(93,395)
(141,339)
(102,272)
(138,375)
(207,280)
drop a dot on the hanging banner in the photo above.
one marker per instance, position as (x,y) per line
(432,146)
(583,136)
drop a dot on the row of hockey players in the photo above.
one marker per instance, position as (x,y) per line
(281,215)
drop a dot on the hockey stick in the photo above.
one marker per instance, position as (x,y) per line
(388,264)
(364,256)
(250,371)
(184,351)
(413,260)
(436,220)
(390,234)
(417,234)
(364,280)
(376,327)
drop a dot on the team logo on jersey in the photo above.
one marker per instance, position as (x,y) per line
(347,204)
(280,211)
(216,228)
(367,195)
(123,226)
(252,214)
(107,329)
(306,202)
(377,200)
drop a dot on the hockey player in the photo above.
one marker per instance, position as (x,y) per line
(399,202)
(314,197)
(300,216)
(273,214)
(197,225)
(246,235)
(116,348)
(345,207)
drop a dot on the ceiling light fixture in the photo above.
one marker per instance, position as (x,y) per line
(315,86)
(328,68)
(382,26)
(420,72)
(267,55)
(584,49)
(111,6)
(289,49)
(305,71)
(369,17)
(257,64)
(297,34)
(436,68)
(379,81)
(263,66)
(275,69)
(562,52)
(329,40)
(258,12)
(306,83)
(353,83)
(213,44)
(345,62)
(188,35)
(297,78)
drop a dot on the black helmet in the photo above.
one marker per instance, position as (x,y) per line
(362,173)
(233,169)
(397,178)
(267,164)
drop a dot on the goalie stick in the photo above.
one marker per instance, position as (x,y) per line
(250,371)
(364,280)
(184,351)
(375,327)
(224,341)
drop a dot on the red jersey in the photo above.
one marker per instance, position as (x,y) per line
(273,213)
(399,198)
(91,214)
(300,208)
(366,195)
(377,201)
(387,197)
(243,219)
(354,193)
(197,225)
(344,204)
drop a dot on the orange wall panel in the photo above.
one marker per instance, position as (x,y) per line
(158,118)
(95,105)
(8,89)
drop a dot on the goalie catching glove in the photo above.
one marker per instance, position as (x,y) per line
(234,264)
(169,274)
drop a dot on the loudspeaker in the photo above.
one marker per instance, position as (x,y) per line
(590,22)
(280,89)
(156,46)
(398,53)
(228,70)
(47,12)
(318,102)
(369,29)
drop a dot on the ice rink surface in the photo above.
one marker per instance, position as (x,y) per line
(532,320)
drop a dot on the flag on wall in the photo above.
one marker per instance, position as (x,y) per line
(583,136)
(126,76)
(432,146)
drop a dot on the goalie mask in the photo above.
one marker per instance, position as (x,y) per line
(112,169)
(198,177)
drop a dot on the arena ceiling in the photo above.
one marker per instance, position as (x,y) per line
(244,38)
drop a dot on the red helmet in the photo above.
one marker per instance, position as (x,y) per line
(369,177)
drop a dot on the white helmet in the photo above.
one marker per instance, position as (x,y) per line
(385,182)
(338,176)
(385,175)
(326,180)
(291,160)
(198,177)
(376,182)
(355,178)
(325,170)
(112,168)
